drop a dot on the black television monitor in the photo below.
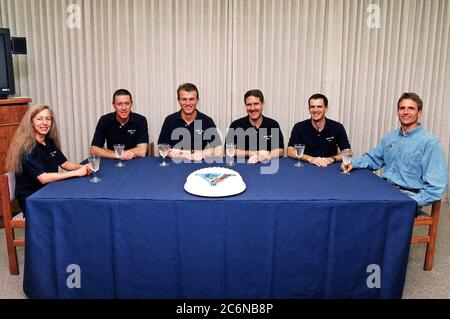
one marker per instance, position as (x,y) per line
(6,66)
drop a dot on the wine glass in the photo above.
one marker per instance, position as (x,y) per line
(163,150)
(346,159)
(299,149)
(230,149)
(95,166)
(118,149)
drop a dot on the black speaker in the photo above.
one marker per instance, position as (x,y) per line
(18,45)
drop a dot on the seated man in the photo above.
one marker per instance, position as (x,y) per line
(321,136)
(412,158)
(256,137)
(121,127)
(191,134)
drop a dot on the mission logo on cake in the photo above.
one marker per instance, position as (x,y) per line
(214,182)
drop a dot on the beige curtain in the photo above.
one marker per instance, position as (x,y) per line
(362,54)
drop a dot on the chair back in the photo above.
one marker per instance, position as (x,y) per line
(11,185)
(151,149)
(7,189)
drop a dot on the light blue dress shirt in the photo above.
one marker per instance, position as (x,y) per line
(412,160)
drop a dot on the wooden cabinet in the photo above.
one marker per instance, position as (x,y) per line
(11,113)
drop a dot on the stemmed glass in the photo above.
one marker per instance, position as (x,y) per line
(118,149)
(230,149)
(346,159)
(163,150)
(299,149)
(95,166)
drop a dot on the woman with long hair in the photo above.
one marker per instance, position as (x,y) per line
(35,154)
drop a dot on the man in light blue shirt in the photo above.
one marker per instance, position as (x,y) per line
(412,158)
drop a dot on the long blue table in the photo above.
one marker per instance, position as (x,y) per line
(300,233)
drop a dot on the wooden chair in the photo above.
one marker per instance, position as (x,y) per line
(7,188)
(151,149)
(432,223)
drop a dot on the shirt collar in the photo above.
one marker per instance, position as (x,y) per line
(251,125)
(317,131)
(131,118)
(411,133)
(47,141)
(178,116)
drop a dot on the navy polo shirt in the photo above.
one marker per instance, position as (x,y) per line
(195,136)
(132,133)
(41,159)
(256,139)
(320,144)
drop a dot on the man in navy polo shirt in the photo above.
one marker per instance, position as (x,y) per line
(256,137)
(322,137)
(121,127)
(191,134)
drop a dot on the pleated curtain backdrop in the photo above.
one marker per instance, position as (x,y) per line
(362,54)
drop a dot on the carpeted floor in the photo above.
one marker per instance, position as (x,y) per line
(419,283)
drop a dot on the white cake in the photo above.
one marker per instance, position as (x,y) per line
(214,182)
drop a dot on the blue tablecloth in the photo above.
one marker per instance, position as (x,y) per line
(300,233)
